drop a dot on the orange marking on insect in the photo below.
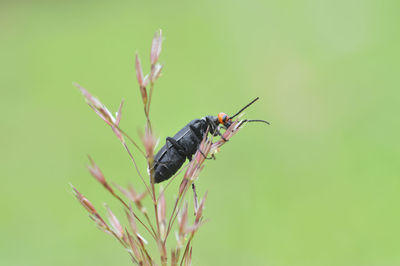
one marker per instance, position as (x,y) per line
(222,118)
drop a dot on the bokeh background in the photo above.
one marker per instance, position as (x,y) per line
(320,186)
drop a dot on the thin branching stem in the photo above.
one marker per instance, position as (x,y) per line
(137,169)
(186,249)
(157,226)
(170,219)
(130,139)
(175,210)
(151,225)
(155,203)
(125,245)
(150,94)
(152,233)
(146,112)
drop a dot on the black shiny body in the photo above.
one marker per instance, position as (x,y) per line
(170,158)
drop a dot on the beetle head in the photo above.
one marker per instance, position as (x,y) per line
(224,120)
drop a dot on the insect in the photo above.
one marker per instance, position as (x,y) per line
(170,158)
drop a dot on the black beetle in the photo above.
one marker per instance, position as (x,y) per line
(170,158)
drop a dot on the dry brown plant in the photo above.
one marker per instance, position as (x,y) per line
(156,222)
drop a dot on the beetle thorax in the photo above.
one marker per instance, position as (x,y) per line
(212,123)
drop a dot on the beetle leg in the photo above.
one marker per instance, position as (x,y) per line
(205,157)
(160,163)
(157,162)
(200,139)
(220,134)
(195,199)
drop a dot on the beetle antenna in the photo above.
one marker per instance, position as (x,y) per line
(241,110)
(257,120)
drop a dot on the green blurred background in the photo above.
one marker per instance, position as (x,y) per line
(320,186)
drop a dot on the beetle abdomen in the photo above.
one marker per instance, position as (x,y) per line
(168,165)
(170,158)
